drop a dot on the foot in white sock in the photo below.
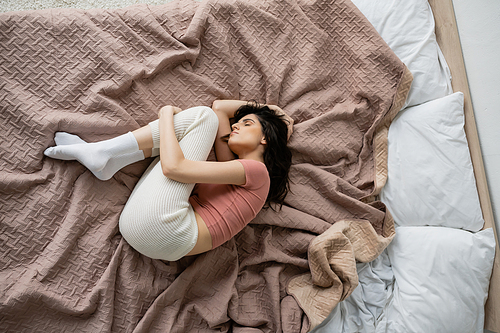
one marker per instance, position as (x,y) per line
(64,139)
(114,164)
(117,163)
(102,158)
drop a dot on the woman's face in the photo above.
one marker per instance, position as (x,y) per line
(246,135)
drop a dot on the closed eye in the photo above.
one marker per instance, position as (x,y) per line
(247,121)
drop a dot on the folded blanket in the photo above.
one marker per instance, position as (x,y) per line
(100,73)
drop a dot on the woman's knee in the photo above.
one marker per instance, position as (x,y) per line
(207,116)
(206,113)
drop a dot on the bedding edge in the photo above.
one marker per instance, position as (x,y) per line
(380,140)
(319,291)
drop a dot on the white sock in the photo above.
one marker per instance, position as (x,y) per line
(117,163)
(65,139)
(102,158)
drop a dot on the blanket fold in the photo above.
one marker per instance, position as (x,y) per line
(101,73)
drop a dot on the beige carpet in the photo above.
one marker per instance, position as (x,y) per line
(15,5)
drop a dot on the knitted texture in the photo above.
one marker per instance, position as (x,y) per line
(95,155)
(158,220)
(100,73)
(155,132)
(115,161)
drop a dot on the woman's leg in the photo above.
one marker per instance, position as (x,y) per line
(95,155)
(144,139)
(114,163)
(106,157)
(158,220)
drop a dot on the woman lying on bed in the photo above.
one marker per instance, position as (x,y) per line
(168,217)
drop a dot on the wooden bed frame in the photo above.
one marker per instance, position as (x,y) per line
(449,42)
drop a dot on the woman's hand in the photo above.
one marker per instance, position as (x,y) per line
(170,109)
(175,166)
(287,118)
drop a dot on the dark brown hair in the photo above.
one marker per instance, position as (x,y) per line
(277,155)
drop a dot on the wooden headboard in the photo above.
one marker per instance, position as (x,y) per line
(449,42)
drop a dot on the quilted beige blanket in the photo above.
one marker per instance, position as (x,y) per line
(64,266)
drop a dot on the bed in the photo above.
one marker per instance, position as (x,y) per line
(398,300)
(65,266)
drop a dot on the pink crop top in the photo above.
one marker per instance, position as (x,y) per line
(227,209)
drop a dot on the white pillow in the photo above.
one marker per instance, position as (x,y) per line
(430,177)
(441,280)
(408,28)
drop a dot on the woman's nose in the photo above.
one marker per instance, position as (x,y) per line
(235,126)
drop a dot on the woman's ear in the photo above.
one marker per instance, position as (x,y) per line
(263,141)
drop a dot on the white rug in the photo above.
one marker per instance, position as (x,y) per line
(15,5)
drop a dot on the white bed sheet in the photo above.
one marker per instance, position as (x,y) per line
(429,279)
(364,308)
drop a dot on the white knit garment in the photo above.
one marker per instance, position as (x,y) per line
(158,220)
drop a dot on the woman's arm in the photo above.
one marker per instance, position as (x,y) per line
(224,109)
(176,167)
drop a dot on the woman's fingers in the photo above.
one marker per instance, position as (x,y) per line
(169,108)
(288,119)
